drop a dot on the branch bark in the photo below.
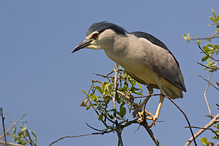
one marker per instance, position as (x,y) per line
(202,130)
(73,136)
(209,110)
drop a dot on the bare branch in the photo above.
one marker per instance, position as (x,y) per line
(114,93)
(205,129)
(9,143)
(94,128)
(73,136)
(185,118)
(104,76)
(3,125)
(145,125)
(209,110)
(202,130)
(207,81)
(119,134)
(207,38)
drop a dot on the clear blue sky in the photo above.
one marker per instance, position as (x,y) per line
(40,77)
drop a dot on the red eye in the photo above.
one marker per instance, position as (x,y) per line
(95,35)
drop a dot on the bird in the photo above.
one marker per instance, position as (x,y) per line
(144,57)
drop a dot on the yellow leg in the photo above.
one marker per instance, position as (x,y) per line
(158,111)
(152,117)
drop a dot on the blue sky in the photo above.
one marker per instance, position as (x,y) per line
(40,77)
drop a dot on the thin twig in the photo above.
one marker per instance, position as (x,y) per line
(209,110)
(207,53)
(3,125)
(9,143)
(205,129)
(202,130)
(94,128)
(9,117)
(207,81)
(114,93)
(73,136)
(185,118)
(30,139)
(104,76)
(145,125)
(207,38)
(214,68)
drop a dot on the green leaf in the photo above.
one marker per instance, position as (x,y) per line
(14,130)
(210,45)
(99,89)
(213,13)
(138,93)
(205,58)
(20,133)
(34,135)
(217,18)
(100,117)
(206,49)
(122,111)
(184,36)
(139,85)
(217,126)
(88,107)
(212,19)
(198,42)
(209,60)
(22,142)
(93,97)
(85,92)
(187,37)
(204,140)
(110,116)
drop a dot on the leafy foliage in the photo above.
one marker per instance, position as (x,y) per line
(24,136)
(210,51)
(101,99)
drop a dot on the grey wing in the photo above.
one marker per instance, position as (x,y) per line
(163,63)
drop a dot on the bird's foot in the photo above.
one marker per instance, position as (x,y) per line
(151,117)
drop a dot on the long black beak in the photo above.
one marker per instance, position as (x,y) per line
(82,45)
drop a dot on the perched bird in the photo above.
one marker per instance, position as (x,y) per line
(144,57)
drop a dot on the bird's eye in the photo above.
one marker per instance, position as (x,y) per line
(95,35)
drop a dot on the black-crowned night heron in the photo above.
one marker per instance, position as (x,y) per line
(143,56)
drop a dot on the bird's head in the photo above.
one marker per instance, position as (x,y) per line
(100,35)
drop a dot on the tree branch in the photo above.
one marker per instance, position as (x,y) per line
(207,81)
(202,130)
(185,118)
(9,143)
(214,68)
(73,136)
(3,125)
(114,93)
(145,125)
(209,110)
(207,38)
(205,128)
(207,53)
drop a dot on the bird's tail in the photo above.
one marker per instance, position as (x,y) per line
(173,92)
